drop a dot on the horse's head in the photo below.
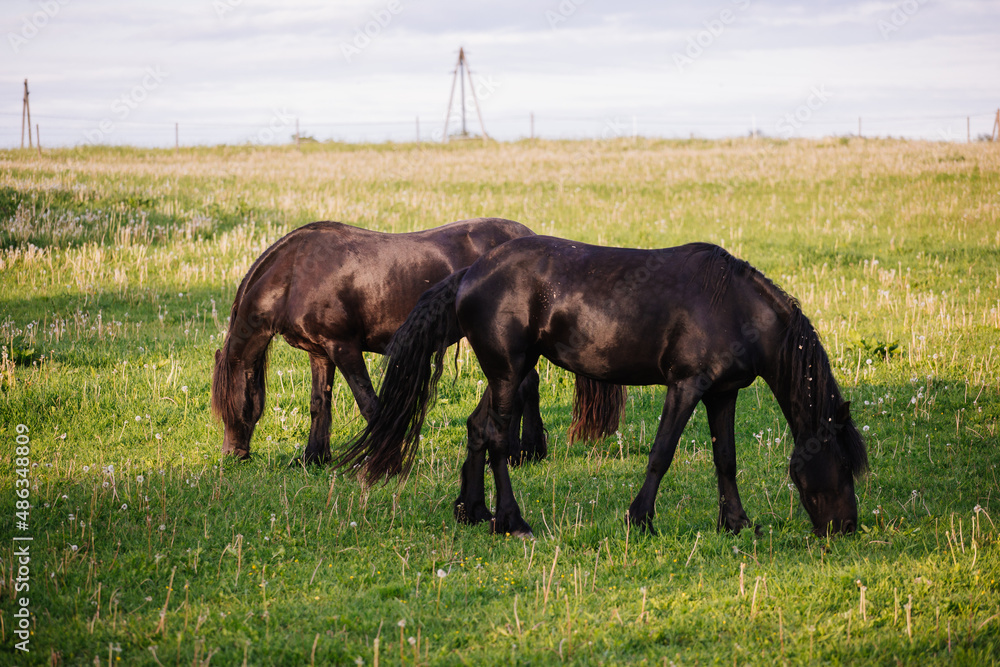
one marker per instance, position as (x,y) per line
(229,398)
(823,466)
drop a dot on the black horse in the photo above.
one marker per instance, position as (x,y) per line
(693,318)
(336,291)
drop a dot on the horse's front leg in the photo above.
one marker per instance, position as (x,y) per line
(721,423)
(318,447)
(677,409)
(470,506)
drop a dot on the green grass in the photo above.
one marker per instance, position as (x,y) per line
(116,278)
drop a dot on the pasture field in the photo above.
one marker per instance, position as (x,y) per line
(117,272)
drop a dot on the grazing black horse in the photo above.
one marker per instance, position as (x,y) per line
(336,291)
(693,318)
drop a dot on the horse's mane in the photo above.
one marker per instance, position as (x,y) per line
(813,390)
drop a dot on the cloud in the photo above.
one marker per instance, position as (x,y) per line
(231,64)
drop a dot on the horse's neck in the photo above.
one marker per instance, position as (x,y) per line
(781,389)
(777,372)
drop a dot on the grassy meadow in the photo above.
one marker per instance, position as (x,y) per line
(117,271)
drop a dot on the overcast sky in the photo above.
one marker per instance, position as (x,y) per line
(233,71)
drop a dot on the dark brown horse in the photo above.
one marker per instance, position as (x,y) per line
(336,291)
(693,318)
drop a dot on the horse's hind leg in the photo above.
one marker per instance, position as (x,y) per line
(526,425)
(318,447)
(497,432)
(351,363)
(470,506)
(721,422)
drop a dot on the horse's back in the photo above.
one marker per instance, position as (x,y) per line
(469,239)
(615,314)
(333,281)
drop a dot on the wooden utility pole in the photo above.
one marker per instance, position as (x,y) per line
(461,72)
(25,114)
(461,80)
(994,134)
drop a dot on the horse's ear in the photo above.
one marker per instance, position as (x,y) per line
(218,354)
(844,412)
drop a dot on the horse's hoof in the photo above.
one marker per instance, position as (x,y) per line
(734,526)
(515,460)
(311,459)
(643,524)
(302,462)
(477,514)
(529,453)
(516,527)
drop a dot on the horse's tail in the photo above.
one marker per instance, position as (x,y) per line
(388,444)
(598,408)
